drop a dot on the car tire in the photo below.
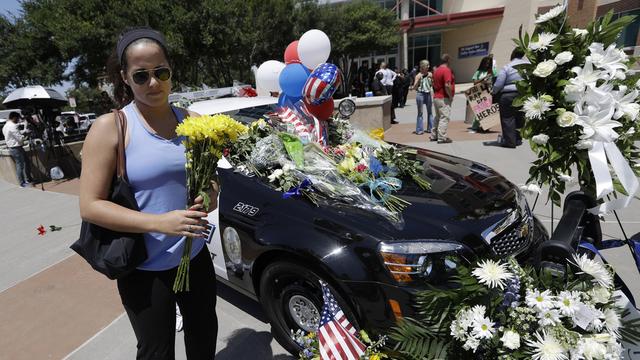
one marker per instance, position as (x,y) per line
(287,285)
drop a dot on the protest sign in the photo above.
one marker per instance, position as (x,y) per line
(481,102)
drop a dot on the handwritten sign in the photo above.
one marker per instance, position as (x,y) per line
(481,49)
(481,102)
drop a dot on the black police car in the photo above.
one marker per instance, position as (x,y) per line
(275,250)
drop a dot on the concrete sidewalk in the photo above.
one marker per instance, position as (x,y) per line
(54,306)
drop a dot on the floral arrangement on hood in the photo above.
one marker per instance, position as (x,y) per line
(581,106)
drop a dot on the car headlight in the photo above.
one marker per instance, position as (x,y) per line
(431,261)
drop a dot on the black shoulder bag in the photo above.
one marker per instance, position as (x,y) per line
(113,253)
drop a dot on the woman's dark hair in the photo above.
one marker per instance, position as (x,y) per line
(486,64)
(122,93)
(517,53)
(14,115)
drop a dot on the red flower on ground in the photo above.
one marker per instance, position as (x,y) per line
(41,230)
(361,167)
(225,152)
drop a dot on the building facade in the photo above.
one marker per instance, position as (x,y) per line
(471,29)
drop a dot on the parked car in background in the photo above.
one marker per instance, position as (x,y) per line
(275,250)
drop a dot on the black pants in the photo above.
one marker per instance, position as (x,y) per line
(393,101)
(511,120)
(150,303)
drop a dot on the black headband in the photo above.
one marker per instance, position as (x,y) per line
(130,36)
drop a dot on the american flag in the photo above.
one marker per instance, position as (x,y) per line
(322,83)
(336,335)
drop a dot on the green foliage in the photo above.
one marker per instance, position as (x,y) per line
(210,41)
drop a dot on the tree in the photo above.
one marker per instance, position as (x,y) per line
(210,42)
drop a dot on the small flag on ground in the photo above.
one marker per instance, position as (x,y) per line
(336,335)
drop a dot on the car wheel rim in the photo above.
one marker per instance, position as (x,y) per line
(304,313)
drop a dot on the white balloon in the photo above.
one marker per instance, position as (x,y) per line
(314,48)
(268,74)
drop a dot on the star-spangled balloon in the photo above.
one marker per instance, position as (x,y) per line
(322,83)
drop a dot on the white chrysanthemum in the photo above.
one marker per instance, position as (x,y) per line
(457,331)
(590,349)
(594,269)
(492,274)
(534,107)
(511,340)
(563,57)
(554,12)
(471,344)
(545,68)
(544,41)
(567,302)
(546,347)
(288,167)
(549,318)
(612,322)
(566,119)
(580,32)
(540,139)
(483,328)
(541,301)
(531,188)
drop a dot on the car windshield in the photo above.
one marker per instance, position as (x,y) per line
(251,114)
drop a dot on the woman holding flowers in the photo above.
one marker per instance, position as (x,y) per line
(155,166)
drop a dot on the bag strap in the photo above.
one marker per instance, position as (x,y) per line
(121,125)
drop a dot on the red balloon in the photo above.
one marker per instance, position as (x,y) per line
(291,54)
(322,111)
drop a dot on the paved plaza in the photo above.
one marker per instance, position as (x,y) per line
(54,306)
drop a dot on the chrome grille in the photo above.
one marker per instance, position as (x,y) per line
(514,241)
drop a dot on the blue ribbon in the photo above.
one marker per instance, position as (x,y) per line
(612,244)
(385,185)
(297,191)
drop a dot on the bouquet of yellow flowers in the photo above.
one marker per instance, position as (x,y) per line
(207,137)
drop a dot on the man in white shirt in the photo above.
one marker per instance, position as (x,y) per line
(14,138)
(388,76)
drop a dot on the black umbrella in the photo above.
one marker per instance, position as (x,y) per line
(34,96)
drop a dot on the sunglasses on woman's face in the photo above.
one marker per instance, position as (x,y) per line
(141,77)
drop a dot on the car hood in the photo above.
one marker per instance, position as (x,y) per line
(464,200)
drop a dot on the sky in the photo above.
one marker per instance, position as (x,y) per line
(7,6)
(12,7)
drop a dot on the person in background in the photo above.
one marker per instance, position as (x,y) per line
(397,89)
(406,84)
(388,76)
(14,135)
(140,71)
(485,73)
(505,88)
(363,77)
(444,87)
(376,86)
(424,89)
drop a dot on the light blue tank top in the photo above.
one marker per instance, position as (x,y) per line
(156,172)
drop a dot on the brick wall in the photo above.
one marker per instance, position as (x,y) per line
(618,6)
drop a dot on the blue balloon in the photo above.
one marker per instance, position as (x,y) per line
(292,79)
(287,101)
